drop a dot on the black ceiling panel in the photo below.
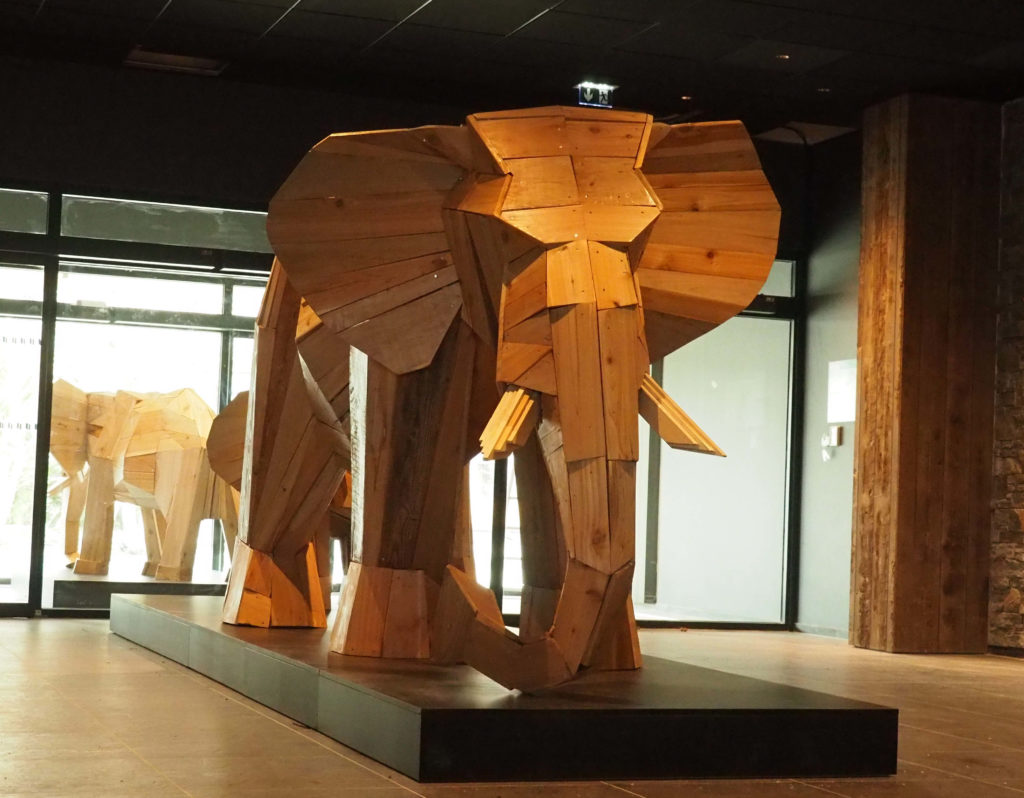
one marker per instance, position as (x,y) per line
(836,31)
(482,16)
(556,26)
(220,14)
(347,32)
(782,56)
(493,53)
(682,41)
(391,10)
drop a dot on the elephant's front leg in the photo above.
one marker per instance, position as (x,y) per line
(409,452)
(78,491)
(98,528)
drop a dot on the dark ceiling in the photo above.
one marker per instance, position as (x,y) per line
(766,61)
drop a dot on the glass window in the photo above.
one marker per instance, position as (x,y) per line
(19,391)
(246,300)
(241,364)
(780,279)
(144,293)
(163,223)
(105,358)
(722,521)
(21,282)
(23,211)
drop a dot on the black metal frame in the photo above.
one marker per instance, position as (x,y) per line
(50,250)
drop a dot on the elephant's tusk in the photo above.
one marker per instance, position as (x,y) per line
(676,428)
(510,425)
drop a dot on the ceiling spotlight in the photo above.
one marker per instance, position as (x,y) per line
(686,97)
(782,56)
(824,90)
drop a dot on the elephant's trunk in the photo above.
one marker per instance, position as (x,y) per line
(588,436)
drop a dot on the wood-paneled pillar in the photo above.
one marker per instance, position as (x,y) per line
(926,359)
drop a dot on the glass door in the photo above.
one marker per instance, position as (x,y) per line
(21,294)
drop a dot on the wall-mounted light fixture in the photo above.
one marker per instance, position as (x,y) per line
(598,95)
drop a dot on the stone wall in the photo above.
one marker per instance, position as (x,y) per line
(1006,607)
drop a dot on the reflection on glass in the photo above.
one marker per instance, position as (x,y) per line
(19,386)
(23,211)
(100,358)
(145,293)
(722,521)
(163,223)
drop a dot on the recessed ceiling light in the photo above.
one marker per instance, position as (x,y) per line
(782,56)
(824,90)
(686,97)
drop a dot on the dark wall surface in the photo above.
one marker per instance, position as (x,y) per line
(168,136)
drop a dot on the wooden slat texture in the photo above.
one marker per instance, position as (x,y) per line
(570,280)
(674,427)
(623,363)
(610,181)
(926,355)
(613,280)
(577,356)
(541,183)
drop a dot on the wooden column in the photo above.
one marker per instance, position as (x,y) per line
(926,354)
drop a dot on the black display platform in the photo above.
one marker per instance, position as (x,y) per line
(93,592)
(438,723)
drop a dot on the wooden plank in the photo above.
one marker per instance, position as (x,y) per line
(600,138)
(621,512)
(477,306)
(620,648)
(617,225)
(623,364)
(491,244)
(534,330)
(514,359)
(322,174)
(701,147)
(525,294)
(362,611)
(543,545)
(610,181)
(614,601)
(578,376)
(613,278)
(667,418)
(225,445)
(665,333)
(524,137)
(352,285)
(731,231)
(514,419)
(541,183)
(746,190)
(407,625)
(387,337)
(588,496)
(390,298)
(540,376)
(570,279)
(578,609)
(700,260)
(701,297)
(483,194)
(549,225)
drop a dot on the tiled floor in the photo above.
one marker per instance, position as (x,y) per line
(85,713)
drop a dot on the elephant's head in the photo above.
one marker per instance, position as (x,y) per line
(580,245)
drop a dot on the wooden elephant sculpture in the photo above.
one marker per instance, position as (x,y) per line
(504,284)
(144,449)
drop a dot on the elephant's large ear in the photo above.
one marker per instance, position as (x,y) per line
(710,250)
(358,229)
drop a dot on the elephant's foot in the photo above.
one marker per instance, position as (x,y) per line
(620,649)
(468,627)
(149,569)
(537,611)
(384,612)
(91,567)
(172,573)
(589,616)
(260,594)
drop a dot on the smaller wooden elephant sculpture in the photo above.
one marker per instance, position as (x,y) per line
(144,449)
